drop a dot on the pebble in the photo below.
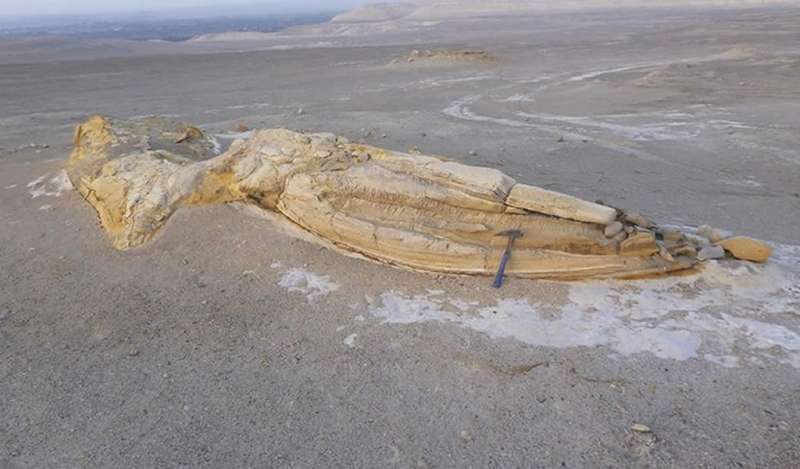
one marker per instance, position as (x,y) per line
(697,239)
(712,234)
(671,235)
(638,219)
(613,229)
(473,153)
(301,111)
(664,253)
(641,428)
(711,252)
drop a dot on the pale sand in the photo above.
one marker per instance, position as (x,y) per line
(228,343)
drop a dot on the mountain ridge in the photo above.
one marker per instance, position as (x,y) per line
(427,10)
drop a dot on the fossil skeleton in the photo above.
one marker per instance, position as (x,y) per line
(415,211)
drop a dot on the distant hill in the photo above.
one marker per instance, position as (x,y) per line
(425,10)
(376,12)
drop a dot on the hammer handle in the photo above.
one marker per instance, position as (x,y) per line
(498,280)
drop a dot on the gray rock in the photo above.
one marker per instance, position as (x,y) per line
(671,235)
(717,235)
(711,252)
(712,234)
(641,428)
(613,229)
(638,219)
(665,254)
(697,240)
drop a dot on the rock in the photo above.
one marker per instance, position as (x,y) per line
(190,133)
(685,250)
(637,219)
(444,57)
(665,254)
(641,244)
(640,428)
(612,229)
(671,235)
(473,153)
(711,252)
(697,240)
(548,202)
(747,249)
(300,111)
(714,235)
(621,236)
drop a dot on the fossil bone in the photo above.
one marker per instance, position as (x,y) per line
(413,211)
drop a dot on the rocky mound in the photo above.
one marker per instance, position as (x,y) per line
(742,53)
(444,57)
(232,36)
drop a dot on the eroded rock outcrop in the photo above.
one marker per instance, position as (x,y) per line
(414,211)
(441,57)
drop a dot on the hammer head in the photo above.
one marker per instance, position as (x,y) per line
(511,234)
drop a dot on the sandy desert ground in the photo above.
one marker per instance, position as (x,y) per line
(228,343)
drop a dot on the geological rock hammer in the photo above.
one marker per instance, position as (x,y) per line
(512,235)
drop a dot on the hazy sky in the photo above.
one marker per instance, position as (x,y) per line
(42,7)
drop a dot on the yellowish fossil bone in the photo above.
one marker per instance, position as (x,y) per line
(413,211)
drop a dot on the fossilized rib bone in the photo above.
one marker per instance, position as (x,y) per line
(414,211)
